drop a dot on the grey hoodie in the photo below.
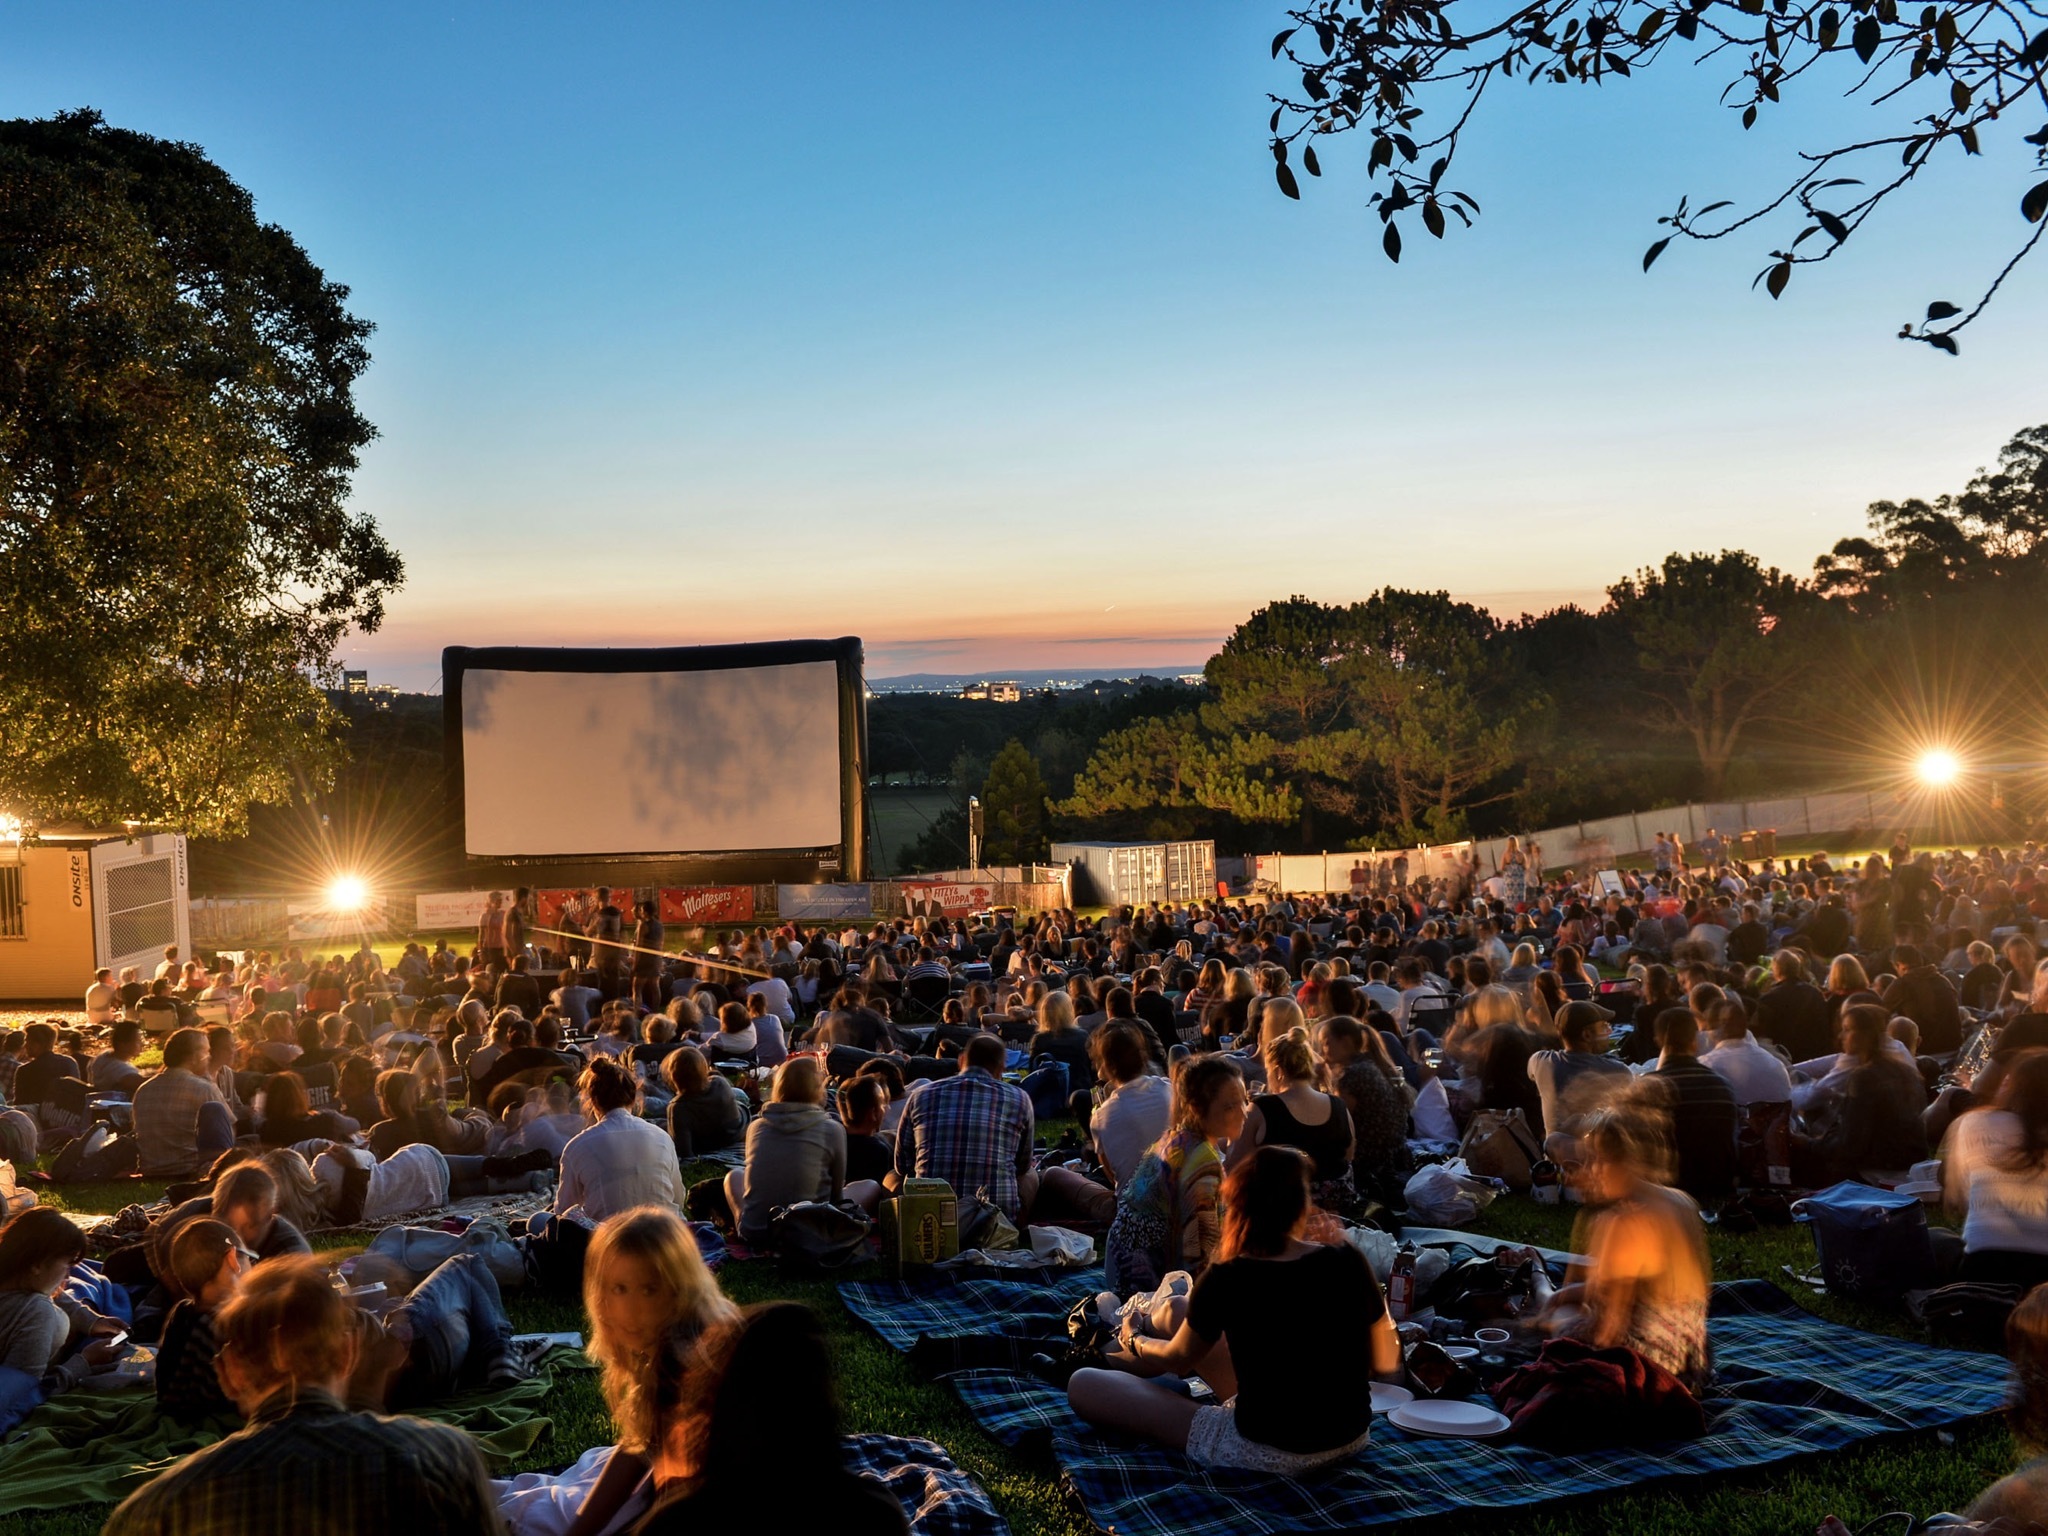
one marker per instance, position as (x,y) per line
(794,1152)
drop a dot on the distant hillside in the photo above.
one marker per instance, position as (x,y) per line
(946,682)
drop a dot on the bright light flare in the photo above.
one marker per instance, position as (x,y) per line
(1938,768)
(347,893)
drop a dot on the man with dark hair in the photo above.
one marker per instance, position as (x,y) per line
(973,1130)
(1701,1105)
(517,989)
(159,1010)
(44,1068)
(114,1069)
(607,929)
(1792,1012)
(1926,997)
(288,1345)
(522,1054)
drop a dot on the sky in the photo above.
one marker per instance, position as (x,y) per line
(984,334)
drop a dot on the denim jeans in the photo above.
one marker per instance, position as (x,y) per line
(454,1324)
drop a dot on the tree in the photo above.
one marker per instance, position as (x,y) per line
(1997,525)
(1169,765)
(1953,72)
(1437,708)
(1713,639)
(1013,808)
(177,434)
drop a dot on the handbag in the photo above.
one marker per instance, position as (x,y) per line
(1498,1144)
(816,1235)
(1046,1086)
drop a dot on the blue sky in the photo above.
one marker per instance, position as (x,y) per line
(982,332)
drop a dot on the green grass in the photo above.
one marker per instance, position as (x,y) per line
(1922,1473)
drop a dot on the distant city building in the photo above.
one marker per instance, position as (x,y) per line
(355,682)
(1005,693)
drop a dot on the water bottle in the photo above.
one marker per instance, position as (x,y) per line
(1401,1284)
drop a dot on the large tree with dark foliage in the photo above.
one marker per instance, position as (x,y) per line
(1945,80)
(178,562)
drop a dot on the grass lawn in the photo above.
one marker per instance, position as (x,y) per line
(1922,1473)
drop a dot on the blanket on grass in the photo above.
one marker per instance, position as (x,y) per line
(89,1447)
(1788,1385)
(501,1208)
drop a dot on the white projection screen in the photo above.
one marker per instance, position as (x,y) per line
(609,754)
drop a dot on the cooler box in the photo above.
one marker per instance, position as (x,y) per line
(921,1225)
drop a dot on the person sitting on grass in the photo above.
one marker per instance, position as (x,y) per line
(1995,1168)
(1646,1286)
(44,1333)
(1281,1408)
(1168,1213)
(1871,1117)
(648,1295)
(869,1154)
(181,1121)
(288,1344)
(705,1113)
(2022,1496)
(408,1121)
(289,1117)
(622,1161)
(758,1409)
(206,1263)
(795,1152)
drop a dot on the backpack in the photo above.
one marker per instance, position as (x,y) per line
(1046,1086)
(818,1236)
(1872,1245)
(98,1155)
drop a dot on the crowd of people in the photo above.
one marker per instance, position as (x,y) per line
(1248,1081)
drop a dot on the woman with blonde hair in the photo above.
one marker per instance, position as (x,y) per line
(648,1295)
(1296,1112)
(1061,1039)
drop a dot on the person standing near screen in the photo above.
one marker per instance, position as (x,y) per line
(647,943)
(607,926)
(490,933)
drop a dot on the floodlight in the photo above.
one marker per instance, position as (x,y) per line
(1938,768)
(347,893)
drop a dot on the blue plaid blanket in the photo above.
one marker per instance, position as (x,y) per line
(942,1306)
(937,1497)
(1788,1385)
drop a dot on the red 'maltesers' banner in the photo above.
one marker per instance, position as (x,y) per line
(695,905)
(947,898)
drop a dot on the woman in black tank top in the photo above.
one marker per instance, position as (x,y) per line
(1289,1115)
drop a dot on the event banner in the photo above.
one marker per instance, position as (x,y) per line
(450,909)
(695,905)
(824,901)
(943,898)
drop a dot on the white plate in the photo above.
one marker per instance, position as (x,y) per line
(1451,1420)
(1387,1397)
(1461,1351)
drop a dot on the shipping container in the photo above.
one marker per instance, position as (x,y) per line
(1132,874)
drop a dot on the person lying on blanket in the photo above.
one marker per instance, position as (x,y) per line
(1282,1408)
(759,1409)
(648,1295)
(288,1343)
(43,1333)
(344,1185)
(1646,1286)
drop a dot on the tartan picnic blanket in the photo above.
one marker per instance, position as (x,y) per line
(937,1497)
(961,1303)
(1789,1384)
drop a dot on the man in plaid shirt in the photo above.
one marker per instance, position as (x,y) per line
(973,1131)
(305,1464)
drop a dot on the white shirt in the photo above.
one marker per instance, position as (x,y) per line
(1387,997)
(413,1178)
(2007,1211)
(1752,1071)
(1129,1122)
(620,1162)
